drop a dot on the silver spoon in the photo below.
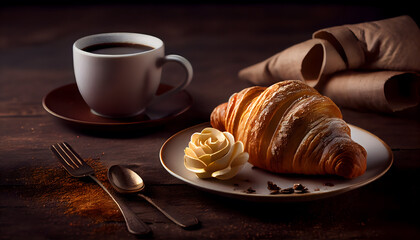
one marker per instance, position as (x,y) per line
(125,180)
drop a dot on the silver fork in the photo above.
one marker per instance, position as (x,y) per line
(77,167)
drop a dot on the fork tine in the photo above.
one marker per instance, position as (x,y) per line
(62,156)
(74,163)
(70,160)
(73,153)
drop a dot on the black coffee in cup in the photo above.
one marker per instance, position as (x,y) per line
(117,48)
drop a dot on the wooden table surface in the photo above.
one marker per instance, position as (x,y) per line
(219,40)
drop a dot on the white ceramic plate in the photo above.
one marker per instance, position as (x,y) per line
(379,160)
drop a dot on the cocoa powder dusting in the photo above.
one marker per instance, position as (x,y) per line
(76,196)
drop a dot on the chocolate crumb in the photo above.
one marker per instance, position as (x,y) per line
(316,189)
(273,188)
(250,190)
(236,185)
(328,184)
(299,188)
(287,191)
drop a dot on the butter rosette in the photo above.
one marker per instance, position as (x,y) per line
(212,153)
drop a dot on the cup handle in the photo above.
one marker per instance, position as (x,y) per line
(188,69)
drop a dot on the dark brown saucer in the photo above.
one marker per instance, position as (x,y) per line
(67,104)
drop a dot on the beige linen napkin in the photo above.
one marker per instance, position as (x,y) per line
(372,65)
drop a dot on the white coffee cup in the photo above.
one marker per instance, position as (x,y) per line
(122,85)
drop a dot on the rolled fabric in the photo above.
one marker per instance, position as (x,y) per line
(384,91)
(346,44)
(392,44)
(312,61)
(334,53)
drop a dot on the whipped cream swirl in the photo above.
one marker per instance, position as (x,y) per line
(212,153)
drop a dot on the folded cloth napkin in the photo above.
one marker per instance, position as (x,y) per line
(371,66)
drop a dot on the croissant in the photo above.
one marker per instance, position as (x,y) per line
(290,128)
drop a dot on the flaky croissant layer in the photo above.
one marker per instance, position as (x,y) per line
(290,128)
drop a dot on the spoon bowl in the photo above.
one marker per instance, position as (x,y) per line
(124,180)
